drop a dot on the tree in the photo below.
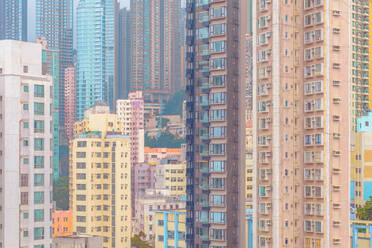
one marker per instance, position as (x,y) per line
(365,212)
(166,140)
(174,105)
(137,241)
(60,193)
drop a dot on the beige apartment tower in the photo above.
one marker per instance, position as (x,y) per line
(100,178)
(301,123)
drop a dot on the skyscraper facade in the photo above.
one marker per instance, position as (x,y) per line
(360,33)
(70,101)
(26,127)
(215,172)
(13,20)
(156,48)
(95,73)
(123,54)
(301,123)
(54,22)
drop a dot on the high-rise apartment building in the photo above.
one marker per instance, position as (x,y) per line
(131,114)
(123,54)
(301,123)
(13,20)
(51,66)
(156,36)
(215,155)
(360,35)
(26,146)
(100,178)
(54,22)
(95,72)
(70,100)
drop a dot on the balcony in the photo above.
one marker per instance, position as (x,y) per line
(190,73)
(189,172)
(189,188)
(189,156)
(190,57)
(189,122)
(190,40)
(190,7)
(190,24)
(190,89)
(206,6)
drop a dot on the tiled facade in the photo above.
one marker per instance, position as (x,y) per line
(26,145)
(301,125)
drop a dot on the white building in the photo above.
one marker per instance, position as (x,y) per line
(25,147)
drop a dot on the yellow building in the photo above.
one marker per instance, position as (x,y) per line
(100,178)
(170,228)
(171,176)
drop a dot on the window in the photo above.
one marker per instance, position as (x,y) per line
(218,46)
(39,90)
(25,69)
(39,108)
(81,208)
(218,132)
(38,233)
(160,238)
(24,198)
(81,186)
(25,142)
(39,215)
(218,217)
(81,144)
(25,161)
(218,12)
(25,106)
(39,144)
(218,98)
(218,149)
(80,154)
(218,80)
(218,29)
(218,115)
(38,126)
(38,162)
(39,197)
(202,33)
(25,215)
(218,234)
(25,233)
(80,165)
(217,166)
(218,63)
(218,183)
(218,200)
(81,176)
(38,179)
(24,180)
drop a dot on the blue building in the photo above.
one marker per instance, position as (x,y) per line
(95,28)
(13,20)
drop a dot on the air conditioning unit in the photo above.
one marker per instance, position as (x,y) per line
(336,135)
(336,153)
(268,120)
(268,86)
(336,118)
(336,83)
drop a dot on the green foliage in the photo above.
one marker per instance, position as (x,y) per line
(174,105)
(137,241)
(60,193)
(166,140)
(365,212)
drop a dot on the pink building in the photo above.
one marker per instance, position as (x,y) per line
(154,155)
(70,100)
(144,175)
